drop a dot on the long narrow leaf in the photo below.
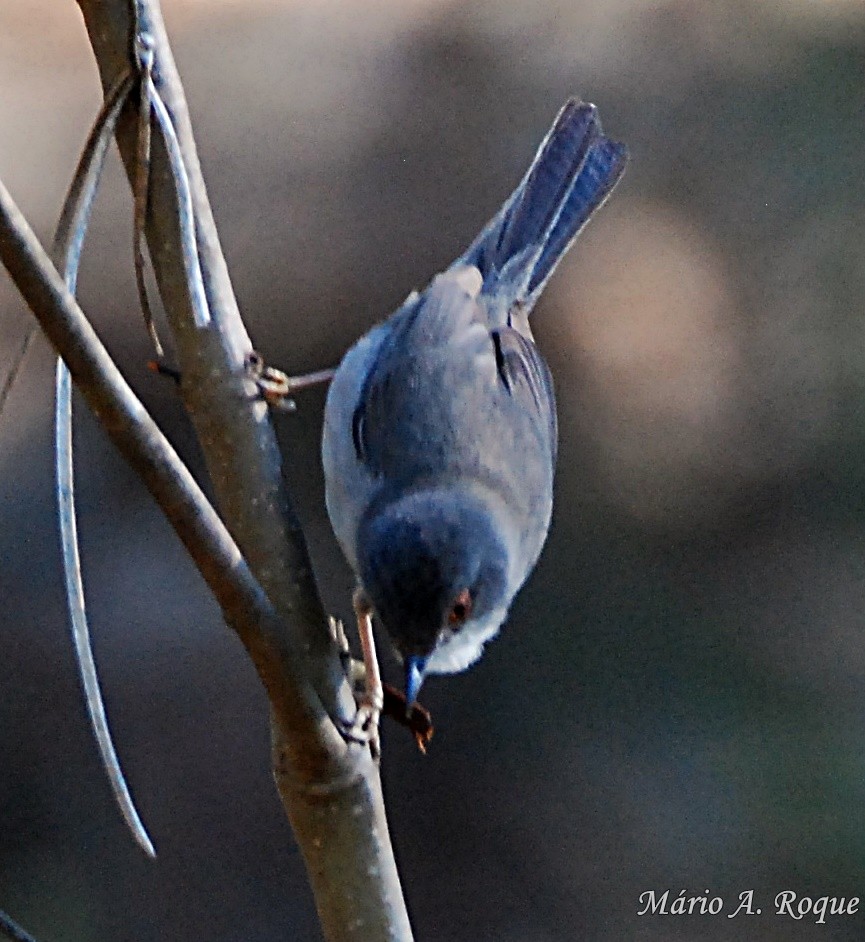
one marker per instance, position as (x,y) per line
(11,930)
(186,211)
(68,243)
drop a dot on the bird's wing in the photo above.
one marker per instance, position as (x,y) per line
(525,375)
(441,377)
(435,350)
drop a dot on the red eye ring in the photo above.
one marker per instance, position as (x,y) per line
(461,609)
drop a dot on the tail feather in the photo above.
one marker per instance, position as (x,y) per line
(574,170)
(603,166)
(545,187)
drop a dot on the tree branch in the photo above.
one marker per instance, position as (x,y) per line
(134,433)
(330,788)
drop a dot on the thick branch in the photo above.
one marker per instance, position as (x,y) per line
(331,791)
(234,430)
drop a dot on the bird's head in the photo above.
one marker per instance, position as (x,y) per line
(435,565)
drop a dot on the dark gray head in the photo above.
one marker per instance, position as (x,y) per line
(435,565)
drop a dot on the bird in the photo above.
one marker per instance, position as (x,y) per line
(439,439)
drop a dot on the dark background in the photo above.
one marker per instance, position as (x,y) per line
(678,700)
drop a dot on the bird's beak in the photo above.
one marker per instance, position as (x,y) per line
(415,665)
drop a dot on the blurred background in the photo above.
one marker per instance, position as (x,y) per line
(678,700)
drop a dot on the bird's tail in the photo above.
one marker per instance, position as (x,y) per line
(574,171)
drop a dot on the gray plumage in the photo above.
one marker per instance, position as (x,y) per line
(439,441)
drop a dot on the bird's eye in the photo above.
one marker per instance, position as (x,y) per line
(461,609)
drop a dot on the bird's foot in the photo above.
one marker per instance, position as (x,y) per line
(364,727)
(276,387)
(376,699)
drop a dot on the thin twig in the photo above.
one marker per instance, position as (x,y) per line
(140,192)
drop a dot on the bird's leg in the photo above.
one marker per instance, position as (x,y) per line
(365,725)
(419,721)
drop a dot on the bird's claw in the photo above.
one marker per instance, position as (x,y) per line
(364,727)
(418,721)
(275,386)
